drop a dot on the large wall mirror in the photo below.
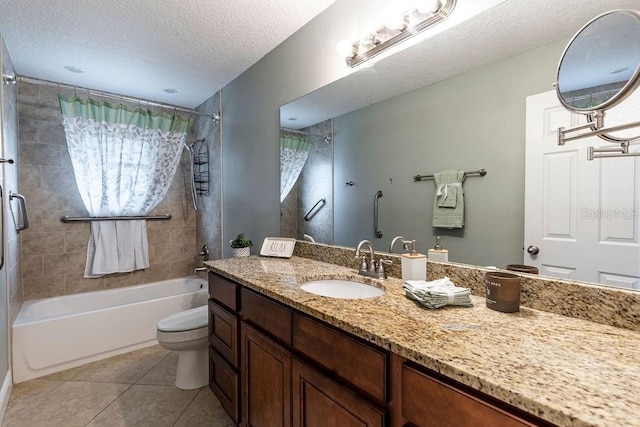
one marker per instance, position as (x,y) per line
(455,101)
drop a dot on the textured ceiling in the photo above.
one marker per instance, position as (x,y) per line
(505,30)
(138,48)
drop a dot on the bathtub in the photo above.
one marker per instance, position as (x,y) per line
(54,334)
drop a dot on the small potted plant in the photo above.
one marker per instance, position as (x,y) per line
(241,246)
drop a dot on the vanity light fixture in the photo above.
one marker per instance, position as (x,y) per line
(411,23)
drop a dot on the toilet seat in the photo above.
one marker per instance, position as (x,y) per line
(188,320)
(182,336)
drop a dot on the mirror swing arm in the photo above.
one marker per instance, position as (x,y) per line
(597,128)
(600,38)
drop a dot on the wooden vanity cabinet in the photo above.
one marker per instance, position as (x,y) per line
(274,366)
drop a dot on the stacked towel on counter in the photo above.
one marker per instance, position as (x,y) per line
(437,293)
(448,205)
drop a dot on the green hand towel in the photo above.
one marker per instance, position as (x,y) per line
(444,214)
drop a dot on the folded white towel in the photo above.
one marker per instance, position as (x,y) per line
(437,293)
(117,247)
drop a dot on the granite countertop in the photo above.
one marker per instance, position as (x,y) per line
(568,371)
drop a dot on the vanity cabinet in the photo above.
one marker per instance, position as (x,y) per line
(274,366)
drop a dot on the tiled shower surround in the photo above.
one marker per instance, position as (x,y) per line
(54,253)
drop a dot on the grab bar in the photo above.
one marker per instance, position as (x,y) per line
(112,218)
(377,232)
(23,211)
(307,216)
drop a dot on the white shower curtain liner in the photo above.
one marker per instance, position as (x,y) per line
(124,161)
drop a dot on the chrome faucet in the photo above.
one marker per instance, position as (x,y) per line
(204,253)
(372,267)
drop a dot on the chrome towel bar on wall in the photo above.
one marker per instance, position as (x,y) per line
(481,172)
(66,219)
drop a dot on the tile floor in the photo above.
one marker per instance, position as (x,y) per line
(133,389)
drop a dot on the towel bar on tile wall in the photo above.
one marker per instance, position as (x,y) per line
(113,218)
(480,172)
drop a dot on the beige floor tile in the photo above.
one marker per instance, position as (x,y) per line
(125,368)
(28,394)
(71,404)
(164,373)
(67,374)
(204,411)
(146,405)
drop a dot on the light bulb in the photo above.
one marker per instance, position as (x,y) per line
(395,22)
(429,6)
(345,48)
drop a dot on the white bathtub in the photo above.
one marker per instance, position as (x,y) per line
(54,334)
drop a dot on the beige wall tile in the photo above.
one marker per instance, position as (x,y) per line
(77,283)
(43,287)
(43,243)
(32,267)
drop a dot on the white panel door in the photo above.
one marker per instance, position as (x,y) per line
(582,215)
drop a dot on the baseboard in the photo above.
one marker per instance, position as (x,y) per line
(5,393)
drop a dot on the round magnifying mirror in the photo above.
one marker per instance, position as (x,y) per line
(601,65)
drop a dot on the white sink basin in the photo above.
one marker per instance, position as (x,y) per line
(344,289)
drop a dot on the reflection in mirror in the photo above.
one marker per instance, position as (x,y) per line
(623,113)
(472,118)
(306,199)
(601,64)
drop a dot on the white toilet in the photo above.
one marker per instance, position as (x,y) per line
(187,333)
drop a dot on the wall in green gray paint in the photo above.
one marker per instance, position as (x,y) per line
(472,121)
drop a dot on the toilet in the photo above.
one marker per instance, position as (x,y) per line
(187,333)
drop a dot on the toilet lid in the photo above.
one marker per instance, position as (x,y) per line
(185,320)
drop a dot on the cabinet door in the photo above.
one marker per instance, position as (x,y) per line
(319,402)
(223,381)
(223,332)
(266,380)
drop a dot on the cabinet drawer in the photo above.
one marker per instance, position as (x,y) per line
(268,315)
(223,332)
(428,401)
(224,291)
(361,365)
(224,382)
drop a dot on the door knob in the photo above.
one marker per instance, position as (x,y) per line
(533,250)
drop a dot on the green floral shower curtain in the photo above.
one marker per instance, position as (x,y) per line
(294,150)
(124,160)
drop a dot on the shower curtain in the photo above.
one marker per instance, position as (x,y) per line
(124,160)
(294,150)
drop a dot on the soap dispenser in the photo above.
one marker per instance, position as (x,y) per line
(438,253)
(414,265)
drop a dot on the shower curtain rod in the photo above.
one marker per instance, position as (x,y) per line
(215,117)
(302,132)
